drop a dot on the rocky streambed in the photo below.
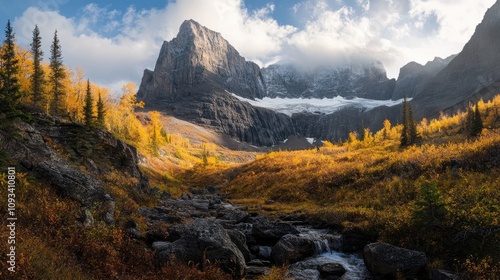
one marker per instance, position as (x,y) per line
(202,228)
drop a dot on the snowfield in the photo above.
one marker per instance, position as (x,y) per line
(290,106)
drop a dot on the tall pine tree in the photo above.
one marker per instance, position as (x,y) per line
(88,111)
(38,77)
(405,137)
(409,134)
(101,113)
(56,76)
(10,92)
(477,123)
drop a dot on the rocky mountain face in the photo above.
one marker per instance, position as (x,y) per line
(192,77)
(364,79)
(473,74)
(198,70)
(413,77)
(199,56)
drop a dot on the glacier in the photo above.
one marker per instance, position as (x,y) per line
(290,106)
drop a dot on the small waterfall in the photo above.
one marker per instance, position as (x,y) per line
(322,246)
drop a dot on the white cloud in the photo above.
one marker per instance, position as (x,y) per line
(115,46)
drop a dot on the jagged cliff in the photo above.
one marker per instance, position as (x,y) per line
(192,77)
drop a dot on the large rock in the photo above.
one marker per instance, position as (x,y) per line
(385,259)
(202,240)
(269,233)
(291,248)
(240,241)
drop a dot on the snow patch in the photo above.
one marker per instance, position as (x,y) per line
(310,140)
(290,106)
(284,141)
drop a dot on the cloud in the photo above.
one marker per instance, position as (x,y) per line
(116,46)
(111,46)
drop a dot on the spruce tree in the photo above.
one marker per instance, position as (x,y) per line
(56,76)
(37,79)
(10,92)
(477,123)
(101,113)
(404,133)
(88,107)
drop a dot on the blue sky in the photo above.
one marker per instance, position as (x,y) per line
(113,41)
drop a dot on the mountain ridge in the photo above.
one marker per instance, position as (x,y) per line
(196,70)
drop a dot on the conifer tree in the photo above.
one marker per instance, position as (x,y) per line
(88,107)
(477,123)
(37,79)
(56,76)
(409,134)
(10,92)
(405,140)
(101,113)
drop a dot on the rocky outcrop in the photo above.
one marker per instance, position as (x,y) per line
(413,77)
(34,154)
(363,79)
(385,259)
(98,150)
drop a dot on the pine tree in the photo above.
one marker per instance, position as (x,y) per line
(37,79)
(101,113)
(88,107)
(56,77)
(405,139)
(409,134)
(9,88)
(477,123)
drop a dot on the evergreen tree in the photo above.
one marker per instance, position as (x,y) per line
(477,123)
(101,113)
(56,77)
(409,134)
(37,79)
(10,92)
(405,139)
(88,107)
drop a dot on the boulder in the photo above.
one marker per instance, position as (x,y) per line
(331,271)
(291,248)
(262,252)
(240,241)
(202,240)
(257,270)
(269,233)
(305,274)
(385,259)
(237,216)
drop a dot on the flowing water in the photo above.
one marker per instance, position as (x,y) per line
(328,250)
